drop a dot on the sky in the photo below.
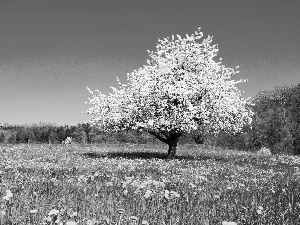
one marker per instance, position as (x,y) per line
(51,50)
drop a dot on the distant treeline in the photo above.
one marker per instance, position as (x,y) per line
(275,125)
(82,133)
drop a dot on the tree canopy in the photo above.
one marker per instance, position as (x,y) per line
(180,89)
(277,118)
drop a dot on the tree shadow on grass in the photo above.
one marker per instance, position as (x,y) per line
(126,155)
(236,160)
(150,155)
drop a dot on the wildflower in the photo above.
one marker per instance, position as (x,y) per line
(174,194)
(192,185)
(260,210)
(148,194)
(71,223)
(89,222)
(53,212)
(125,192)
(109,184)
(74,214)
(228,223)
(33,211)
(202,178)
(107,220)
(47,220)
(8,195)
(68,140)
(124,184)
(217,196)
(166,194)
(81,178)
(95,222)
(272,189)
(128,180)
(6,198)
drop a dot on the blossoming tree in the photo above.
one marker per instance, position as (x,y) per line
(182,88)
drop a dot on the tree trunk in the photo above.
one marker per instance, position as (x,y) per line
(172,150)
(172,142)
(171,138)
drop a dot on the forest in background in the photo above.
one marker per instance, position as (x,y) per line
(275,125)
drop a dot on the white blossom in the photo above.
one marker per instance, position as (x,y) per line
(181,88)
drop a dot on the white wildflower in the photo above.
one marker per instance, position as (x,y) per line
(71,223)
(53,212)
(259,210)
(166,194)
(148,194)
(174,194)
(228,223)
(33,211)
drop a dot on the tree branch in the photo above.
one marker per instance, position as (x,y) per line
(165,140)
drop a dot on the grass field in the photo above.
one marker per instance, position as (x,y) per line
(136,184)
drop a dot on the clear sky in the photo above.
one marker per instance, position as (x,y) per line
(50,50)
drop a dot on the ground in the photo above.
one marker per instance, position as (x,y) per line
(107,183)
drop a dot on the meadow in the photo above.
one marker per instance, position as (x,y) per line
(136,184)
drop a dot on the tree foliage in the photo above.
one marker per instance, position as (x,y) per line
(180,89)
(276,121)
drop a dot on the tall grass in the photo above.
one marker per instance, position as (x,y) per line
(136,184)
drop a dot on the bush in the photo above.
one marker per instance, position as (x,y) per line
(2,136)
(264,151)
(11,138)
